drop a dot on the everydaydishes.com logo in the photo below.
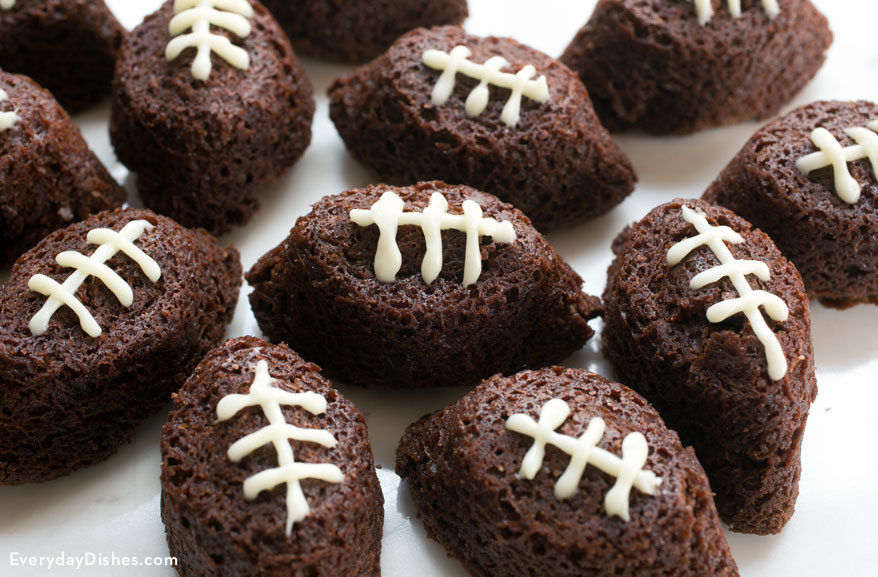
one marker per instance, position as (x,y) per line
(87,559)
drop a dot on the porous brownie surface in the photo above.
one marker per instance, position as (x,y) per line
(649,64)
(317,292)
(558,165)
(358,30)
(68,46)
(461,466)
(709,380)
(213,530)
(48,176)
(68,400)
(201,148)
(833,244)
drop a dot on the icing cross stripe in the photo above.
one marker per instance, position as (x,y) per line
(200,15)
(488,74)
(6,4)
(279,433)
(832,154)
(748,300)
(7,119)
(628,470)
(387,213)
(111,242)
(704,9)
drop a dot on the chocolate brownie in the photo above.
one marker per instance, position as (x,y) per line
(466,469)
(75,385)
(213,529)
(319,292)
(556,163)
(735,384)
(68,46)
(833,242)
(358,30)
(651,65)
(201,147)
(48,176)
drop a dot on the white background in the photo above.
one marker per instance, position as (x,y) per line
(112,508)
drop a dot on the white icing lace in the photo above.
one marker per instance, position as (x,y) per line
(832,154)
(704,10)
(7,119)
(200,15)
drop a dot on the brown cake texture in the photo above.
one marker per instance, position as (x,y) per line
(833,243)
(68,46)
(558,164)
(709,380)
(201,149)
(650,65)
(461,465)
(48,176)
(212,530)
(67,399)
(358,30)
(317,291)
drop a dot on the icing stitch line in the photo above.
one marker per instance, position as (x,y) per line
(279,433)
(832,154)
(387,213)
(749,300)
(488,74)
(583,451)
(7,119)
(199,15)
(704,10)
(110,242)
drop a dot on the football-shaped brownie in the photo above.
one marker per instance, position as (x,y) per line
(810,180)
(99,324)
(209,104)
(423,286)
(68,46)
(677,66)
(706,319)
(358,30)
(48,176)
(561,472)
(267,471)
(485,112)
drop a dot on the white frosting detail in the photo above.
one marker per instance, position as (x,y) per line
(388,214)
(7,119)
(521,83)
(832,154)
(279,433)
(749,300)
(6,4)
(110,242)
(583,451)
(199,15)
(704,10)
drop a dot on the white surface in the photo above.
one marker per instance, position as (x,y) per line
(112,508)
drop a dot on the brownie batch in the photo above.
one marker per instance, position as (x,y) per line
(441,277)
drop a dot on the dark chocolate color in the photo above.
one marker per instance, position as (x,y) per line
(710,380)
(68,400)
(201,149)
(558,165)
(213,530)
(317,291)
(461,466)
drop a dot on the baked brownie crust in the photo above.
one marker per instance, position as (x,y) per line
(834,244)
(317,291)
(213,530)
(68,400)
(557,165)
(202,148)
(358,30)
(49,176)
(461,467)
(650,65)
(709,380)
